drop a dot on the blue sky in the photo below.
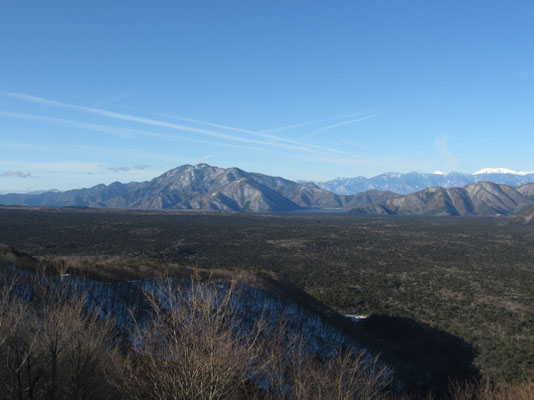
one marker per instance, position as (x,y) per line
(102,91)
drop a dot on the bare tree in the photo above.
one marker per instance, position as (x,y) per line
(52,348)
(294,372)
(193,347)
(197,347)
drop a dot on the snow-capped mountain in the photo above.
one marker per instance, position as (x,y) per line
(501,171)
(414,181)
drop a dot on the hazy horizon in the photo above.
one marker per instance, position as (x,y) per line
(485,170)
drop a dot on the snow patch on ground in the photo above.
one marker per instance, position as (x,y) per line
(356,317)
(117,300)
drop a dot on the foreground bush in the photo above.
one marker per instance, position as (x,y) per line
(489,391)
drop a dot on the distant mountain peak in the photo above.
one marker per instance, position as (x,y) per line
(487,171)
(414,181)
(204,187)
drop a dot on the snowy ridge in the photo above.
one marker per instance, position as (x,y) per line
(414,181)
(488,171)
(116,300)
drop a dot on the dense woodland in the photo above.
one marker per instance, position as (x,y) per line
(465,282)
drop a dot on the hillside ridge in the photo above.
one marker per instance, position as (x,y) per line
(480,199)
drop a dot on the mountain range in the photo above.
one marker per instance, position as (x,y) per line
(415,181)
(203,187)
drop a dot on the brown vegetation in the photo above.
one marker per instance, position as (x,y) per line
(192,347)
(52,348)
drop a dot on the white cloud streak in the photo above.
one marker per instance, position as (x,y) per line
(441,145)
(121,133)
(140,167)
(274,141)
(178,138)
(311,122)
(111,99)
(15,174)
(255,133)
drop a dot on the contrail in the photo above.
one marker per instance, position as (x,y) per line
(312,122)
(255,133)
(121,132)
(84,125)
(290,144)
(326,128)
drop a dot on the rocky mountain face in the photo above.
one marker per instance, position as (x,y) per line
(482,198)
(414,181)
(203,187)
